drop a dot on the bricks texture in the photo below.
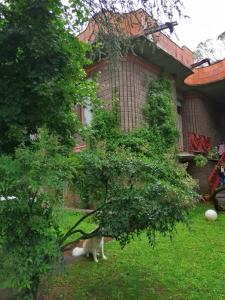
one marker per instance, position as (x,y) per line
(129,82)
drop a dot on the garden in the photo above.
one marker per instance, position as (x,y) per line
(190,266)
(142,198)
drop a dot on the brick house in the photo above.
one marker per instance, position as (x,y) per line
(199,93)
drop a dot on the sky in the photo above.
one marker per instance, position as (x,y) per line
(207,20)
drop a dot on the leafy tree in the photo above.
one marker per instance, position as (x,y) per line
(41,72)
(42,77)
(133,179)
(112,39)
(101,10)
(31,188)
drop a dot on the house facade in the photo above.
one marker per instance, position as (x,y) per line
(198,93)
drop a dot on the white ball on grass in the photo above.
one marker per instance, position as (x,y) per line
(211,215)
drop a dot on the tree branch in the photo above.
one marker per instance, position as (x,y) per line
(79,231)
(32,197)
(84,237)
(70,231)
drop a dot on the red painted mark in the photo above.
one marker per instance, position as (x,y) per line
(79,148)
(199,143)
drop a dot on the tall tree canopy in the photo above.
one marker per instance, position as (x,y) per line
(41,72)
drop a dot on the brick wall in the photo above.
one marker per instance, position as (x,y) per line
(129,82)
(219,111)
(183,54)
(197,117)
(201,175)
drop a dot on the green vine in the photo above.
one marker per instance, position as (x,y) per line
(159,112)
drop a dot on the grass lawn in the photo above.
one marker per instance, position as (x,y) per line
(192,266)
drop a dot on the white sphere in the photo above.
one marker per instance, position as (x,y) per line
(211,215)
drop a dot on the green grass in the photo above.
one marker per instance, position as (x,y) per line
(190,267)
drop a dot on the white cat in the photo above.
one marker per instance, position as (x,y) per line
(91,246)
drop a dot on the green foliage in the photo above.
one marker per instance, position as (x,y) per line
(200,160)
(112,43)
(135,192)
(132,178)
(41,72)
(159,112)
(105,126)
(29,234)
(213,153)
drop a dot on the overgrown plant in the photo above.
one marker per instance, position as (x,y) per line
(42,73)
(31,186)
(133,182)
(133,178)
(200,160)
(159,111)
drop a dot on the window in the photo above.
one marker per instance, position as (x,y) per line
(87,113)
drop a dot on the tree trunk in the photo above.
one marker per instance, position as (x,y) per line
(30,293)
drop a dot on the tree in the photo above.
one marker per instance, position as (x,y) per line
(133,179)
(100,10)
(42,77)
(211,48)
(41,72)
(113,40)
(31,189)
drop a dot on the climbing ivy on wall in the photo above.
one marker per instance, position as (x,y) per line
(159,112)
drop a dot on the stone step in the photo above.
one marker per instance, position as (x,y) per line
(220,201)
(220,196)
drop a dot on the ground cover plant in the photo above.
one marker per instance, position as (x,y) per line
(189,267)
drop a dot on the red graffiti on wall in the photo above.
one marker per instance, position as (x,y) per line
(198,143)
(79,148)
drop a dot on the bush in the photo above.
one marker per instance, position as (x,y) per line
(31,184)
